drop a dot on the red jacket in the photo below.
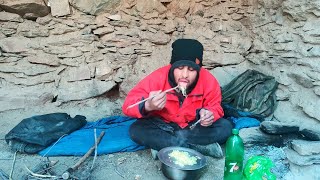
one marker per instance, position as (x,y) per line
(206,94)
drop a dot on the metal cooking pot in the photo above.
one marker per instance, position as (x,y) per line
(175,172)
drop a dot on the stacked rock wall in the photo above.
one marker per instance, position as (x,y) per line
(81,51)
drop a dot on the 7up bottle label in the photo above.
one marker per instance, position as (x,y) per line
(233,167)
(233,170)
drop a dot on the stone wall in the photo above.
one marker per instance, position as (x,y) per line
(78,53)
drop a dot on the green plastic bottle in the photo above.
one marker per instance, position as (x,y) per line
(234,157)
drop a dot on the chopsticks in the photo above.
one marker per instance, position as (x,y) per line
(139,102)
(199,120)
(194,125)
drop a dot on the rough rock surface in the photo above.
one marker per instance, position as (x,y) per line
(54,57)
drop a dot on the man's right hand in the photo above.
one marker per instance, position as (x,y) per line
(157,102)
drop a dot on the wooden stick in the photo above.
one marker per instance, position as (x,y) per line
(139,102)
(39,168)
(96,148)
(3,175)
(13,163)
(74,167)
(66,175)
(39,175)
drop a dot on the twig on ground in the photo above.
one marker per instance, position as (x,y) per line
(67,174)
(117,171)
(96,148)
(39,175)
(12,167)
(76,166)
(3,175)
(51,165)
(44,167)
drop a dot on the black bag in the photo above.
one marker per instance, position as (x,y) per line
(252,94)
(36,133)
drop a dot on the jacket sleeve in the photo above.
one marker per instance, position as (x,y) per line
(139,92)
(213,98)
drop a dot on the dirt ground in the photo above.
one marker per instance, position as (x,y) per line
(126,165)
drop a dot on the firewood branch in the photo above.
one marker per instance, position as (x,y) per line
(67,174)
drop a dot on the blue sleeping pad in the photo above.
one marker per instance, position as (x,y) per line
(116,138)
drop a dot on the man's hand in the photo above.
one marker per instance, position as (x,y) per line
(156,103)
(206,117)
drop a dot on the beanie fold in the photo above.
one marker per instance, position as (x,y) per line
(186,63)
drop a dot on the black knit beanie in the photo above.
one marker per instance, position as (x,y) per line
(186,52)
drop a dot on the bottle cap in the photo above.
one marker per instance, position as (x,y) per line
(235,131)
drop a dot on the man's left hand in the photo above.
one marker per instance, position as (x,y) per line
(206,117)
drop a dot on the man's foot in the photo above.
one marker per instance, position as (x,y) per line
(154,154)
(213,150)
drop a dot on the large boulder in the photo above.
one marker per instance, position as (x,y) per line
(95,7)
(34,8)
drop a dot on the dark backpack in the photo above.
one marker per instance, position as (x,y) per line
(251,94)
(38,132)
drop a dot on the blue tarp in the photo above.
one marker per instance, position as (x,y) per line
(241,119)
(116,138)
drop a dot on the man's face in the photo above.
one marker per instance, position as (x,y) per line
(184,75)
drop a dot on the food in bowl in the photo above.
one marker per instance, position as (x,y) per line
(171,169)
(183,158)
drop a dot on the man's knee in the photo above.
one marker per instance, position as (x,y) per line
(225,129)
(226,124)
(134,131)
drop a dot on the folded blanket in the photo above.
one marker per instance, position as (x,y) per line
(244,122)
(116,138)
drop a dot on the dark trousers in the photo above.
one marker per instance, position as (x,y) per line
(156,134)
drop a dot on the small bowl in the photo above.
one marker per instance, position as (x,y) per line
(175,172)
